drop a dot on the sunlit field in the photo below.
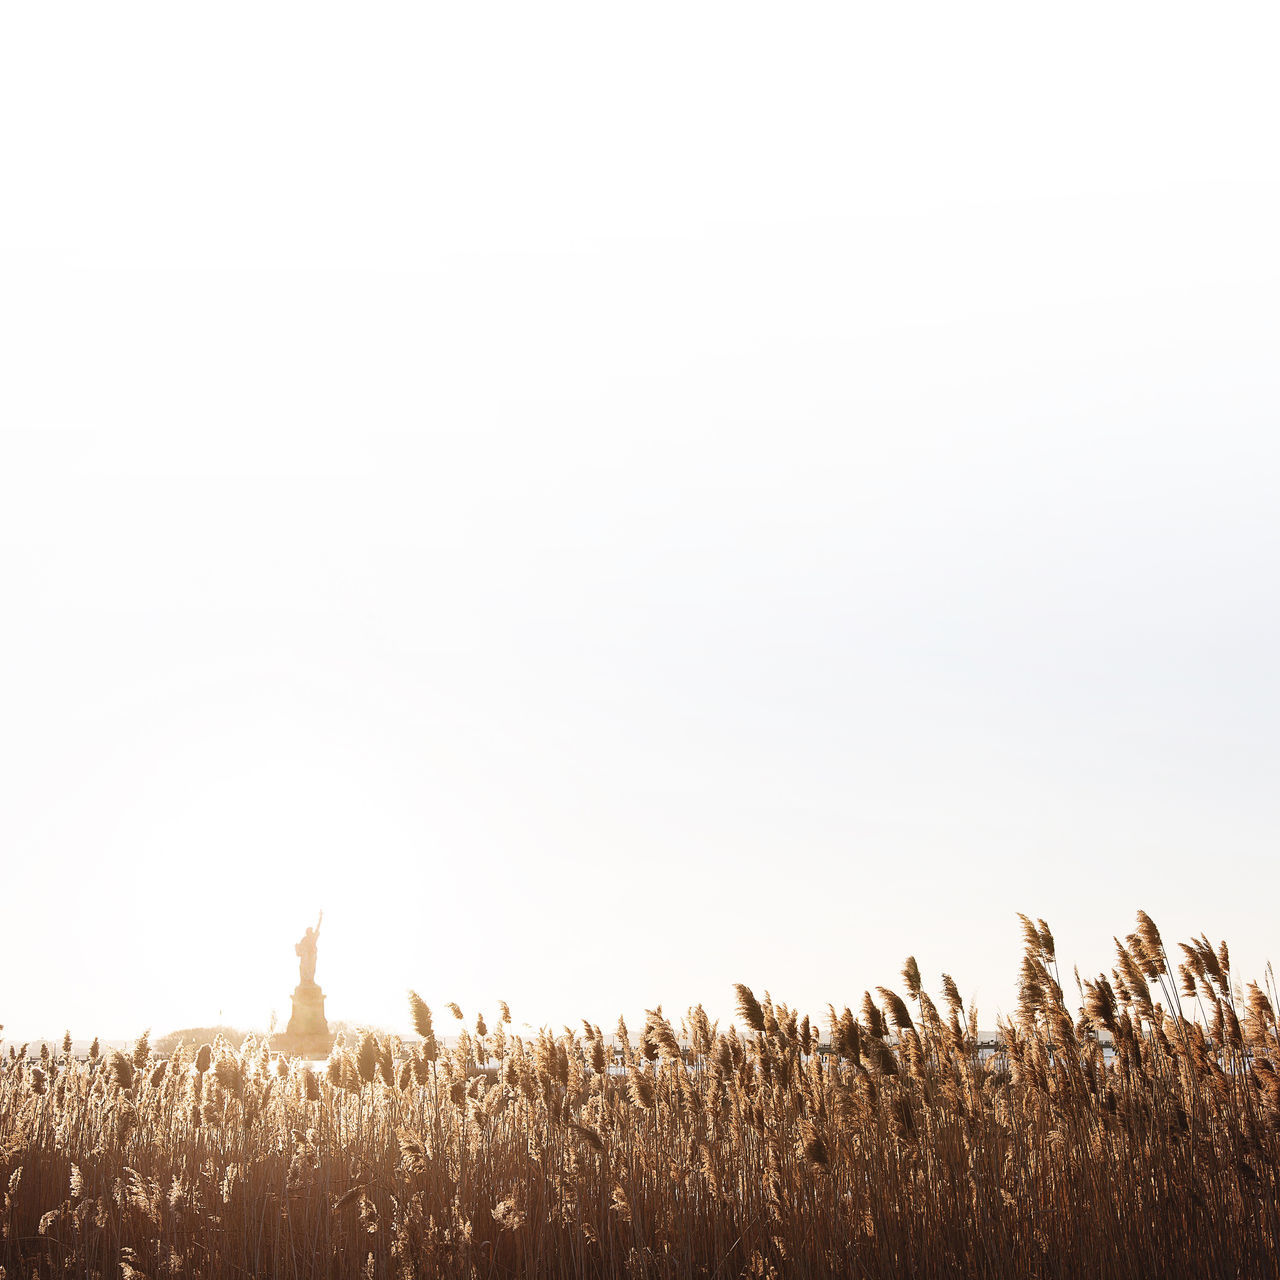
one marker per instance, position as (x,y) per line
(1128,1129)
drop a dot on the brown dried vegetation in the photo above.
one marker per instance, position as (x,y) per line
(889,1146)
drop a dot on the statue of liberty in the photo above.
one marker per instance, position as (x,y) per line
(306,952)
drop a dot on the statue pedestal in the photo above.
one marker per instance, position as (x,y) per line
(307,1034)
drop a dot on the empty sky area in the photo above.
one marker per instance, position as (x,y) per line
(610,504)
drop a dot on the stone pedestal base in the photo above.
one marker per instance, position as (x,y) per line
(307,1034)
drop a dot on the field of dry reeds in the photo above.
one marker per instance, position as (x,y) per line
(875,1143)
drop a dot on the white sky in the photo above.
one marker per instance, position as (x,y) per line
(609,504)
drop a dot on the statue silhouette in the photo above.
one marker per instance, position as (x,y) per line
(306,952)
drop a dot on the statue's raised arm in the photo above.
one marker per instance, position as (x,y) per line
(319,918)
